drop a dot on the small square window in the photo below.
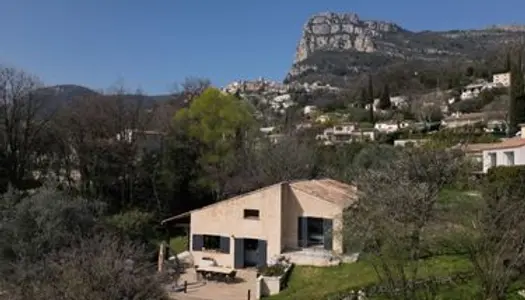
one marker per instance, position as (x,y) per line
(251,214)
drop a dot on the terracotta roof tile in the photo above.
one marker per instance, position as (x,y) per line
(510,143)
(478,147)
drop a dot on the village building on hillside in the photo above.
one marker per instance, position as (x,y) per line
(345,133)
(473,90)
(309,110)
(145,140)
(460,120)
(287,219)
(410,142)
(508,152)
(395,101)
(502,79)
(391,126)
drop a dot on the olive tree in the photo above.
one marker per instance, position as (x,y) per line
(398,203)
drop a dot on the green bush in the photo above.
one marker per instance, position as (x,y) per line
(366,125)
(504,186)
(274,270)
(506,178)
(135,224)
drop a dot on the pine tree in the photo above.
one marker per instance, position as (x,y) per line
(520,81)
(363,99)
(384,101)
(516,113)
(520,89)
(371,98)
(508,63)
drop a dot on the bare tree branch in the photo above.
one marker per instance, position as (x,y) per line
(397,202)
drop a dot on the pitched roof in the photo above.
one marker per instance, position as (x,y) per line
(477,116)
(329,190)
(510,143)
(477,147)
(188,213)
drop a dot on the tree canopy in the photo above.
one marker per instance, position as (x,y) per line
(220,123)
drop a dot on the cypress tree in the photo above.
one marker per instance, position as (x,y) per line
(516,113)
(371,98)
(384,101)
(511,114)
(520,90)
(363,99)
(508,63)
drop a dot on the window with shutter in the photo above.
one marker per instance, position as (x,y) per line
(225,244)
(197,242)
(262,248)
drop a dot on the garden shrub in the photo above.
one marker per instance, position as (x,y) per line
(506,179)
(135,224)
(274,270)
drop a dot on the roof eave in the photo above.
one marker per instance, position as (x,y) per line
(177,217)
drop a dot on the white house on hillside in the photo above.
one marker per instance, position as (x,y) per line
(502,79)
(472,91)
(507,153)
(460,120)
(309,109)
(390,126)
(396,101)
(345,133)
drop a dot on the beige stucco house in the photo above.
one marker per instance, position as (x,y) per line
(250,229)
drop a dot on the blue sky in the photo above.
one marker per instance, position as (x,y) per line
(153,44)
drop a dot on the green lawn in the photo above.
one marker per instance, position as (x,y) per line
(179,244)
(322,282)
(319,283)
(459,206)
(454,197)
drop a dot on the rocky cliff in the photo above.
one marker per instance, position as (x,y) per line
(342,44)
(331,31)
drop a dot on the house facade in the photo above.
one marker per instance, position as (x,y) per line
(345,133)
(410,142)
(509,152)
(470,119)
(390,126)
(251,229)
(502,79)
(473,90)
(146,140)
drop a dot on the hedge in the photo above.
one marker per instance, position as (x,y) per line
(506,180)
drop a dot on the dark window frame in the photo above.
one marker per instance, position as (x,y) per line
(252,214)
(211,242)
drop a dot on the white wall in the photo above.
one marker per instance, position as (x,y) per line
(226,218)
(502,78)
(501,159)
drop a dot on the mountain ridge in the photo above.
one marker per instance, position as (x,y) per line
(343,44)
(56,96)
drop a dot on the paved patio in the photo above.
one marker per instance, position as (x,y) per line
(212,290)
